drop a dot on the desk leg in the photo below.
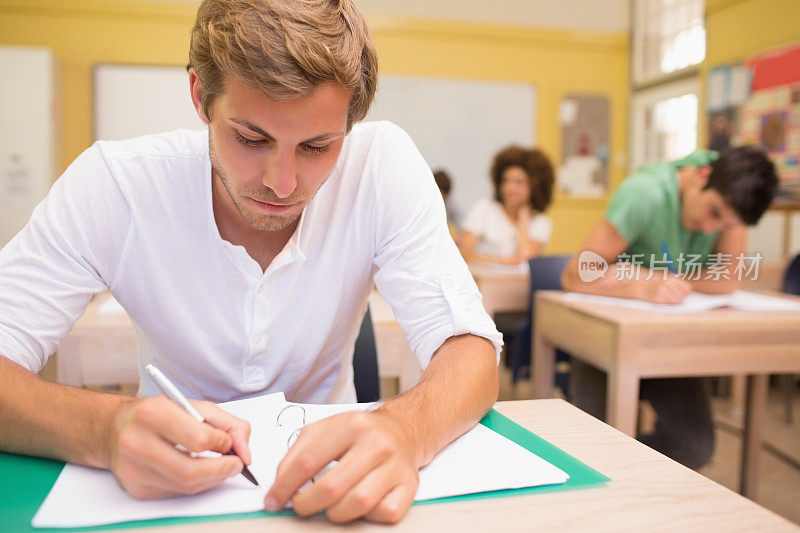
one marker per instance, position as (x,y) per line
(753,426)
(544,364)
(738,385)
(410,372)
(622,399)
(68,362)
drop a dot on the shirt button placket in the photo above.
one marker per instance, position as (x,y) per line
(258,318)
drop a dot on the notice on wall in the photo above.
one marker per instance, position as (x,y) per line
(16,181)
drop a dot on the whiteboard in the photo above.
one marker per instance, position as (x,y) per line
(133,100)
(459,124)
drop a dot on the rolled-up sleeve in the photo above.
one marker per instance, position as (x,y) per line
(68,251)
(419,269)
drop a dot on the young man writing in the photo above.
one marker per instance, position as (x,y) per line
(244,255)
(696,209)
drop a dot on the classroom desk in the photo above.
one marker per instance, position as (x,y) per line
(395,358)
(102,348)
(503,289)
(630,344)
(506,290)
(647,491)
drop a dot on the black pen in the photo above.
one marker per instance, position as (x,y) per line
(172,392)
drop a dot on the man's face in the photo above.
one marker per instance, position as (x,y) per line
(272,156)
(705,210)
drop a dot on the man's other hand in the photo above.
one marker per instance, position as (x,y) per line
(376,476)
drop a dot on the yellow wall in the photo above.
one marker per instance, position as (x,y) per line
(736,29)
(83,33)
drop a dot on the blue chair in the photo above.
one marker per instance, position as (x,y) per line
(365,363)
(791,280)
(791,285)
(545,275)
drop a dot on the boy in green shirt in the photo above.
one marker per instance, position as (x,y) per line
(663,229)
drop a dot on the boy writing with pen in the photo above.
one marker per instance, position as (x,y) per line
(662,222)
(245,254)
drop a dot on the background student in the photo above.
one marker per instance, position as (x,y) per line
(511,227)
(694,207)
(445,184)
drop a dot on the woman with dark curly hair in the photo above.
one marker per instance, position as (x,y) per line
(511,227)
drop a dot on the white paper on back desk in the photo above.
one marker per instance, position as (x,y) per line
(479,461)
(696,302)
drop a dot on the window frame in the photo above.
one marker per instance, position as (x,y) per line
(647,99)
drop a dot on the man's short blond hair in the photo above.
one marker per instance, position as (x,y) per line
(285,49)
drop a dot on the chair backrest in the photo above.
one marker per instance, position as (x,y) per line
(365,363)
(546,273)
(791,280)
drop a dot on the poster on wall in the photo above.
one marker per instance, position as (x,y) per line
(585,150)
(729,87)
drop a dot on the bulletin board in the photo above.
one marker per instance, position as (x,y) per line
(585,138)
(757,102)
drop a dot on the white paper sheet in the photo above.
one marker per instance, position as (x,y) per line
(696,302)
(479,461)
(110,307)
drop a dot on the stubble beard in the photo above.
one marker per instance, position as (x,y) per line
(261,222)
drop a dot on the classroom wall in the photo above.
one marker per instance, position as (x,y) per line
(85,32)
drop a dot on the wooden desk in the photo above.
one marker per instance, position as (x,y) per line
(395,358)
(630,344)
(503,290)
(647,491)
(102,348)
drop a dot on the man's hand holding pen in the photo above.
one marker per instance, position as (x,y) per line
(141,447)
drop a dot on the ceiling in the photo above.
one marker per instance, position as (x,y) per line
(578,15)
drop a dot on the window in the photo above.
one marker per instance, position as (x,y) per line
(669,41)
(664,123)
(668,36)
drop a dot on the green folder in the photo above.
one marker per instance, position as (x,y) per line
(27,480)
